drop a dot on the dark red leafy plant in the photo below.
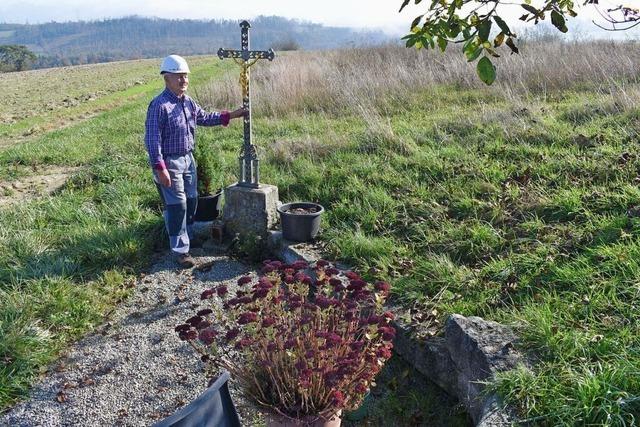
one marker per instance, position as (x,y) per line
(298,345)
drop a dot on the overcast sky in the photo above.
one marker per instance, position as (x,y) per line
(351,13)
(381,14)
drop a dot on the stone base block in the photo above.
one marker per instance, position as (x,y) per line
(250,211)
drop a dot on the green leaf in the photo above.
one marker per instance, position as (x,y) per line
(454,30)
(558,21)
(472,54)
(442,43)
(498,40)
(486,70)
(503,25)
(411,41)
(404,3)
(530,9)
(467,45)
(452,9)
(484,29)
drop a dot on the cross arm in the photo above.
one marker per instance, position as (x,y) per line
(246,54)
(229,53)
(262,54)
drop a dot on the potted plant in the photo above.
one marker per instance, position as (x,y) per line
(302,349)
(300,221)
(209,200)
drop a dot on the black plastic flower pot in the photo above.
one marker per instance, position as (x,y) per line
(213,408)
(300,221)
(208,207)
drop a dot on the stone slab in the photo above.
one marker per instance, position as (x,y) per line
(469,354)
(431,358)
(290,252)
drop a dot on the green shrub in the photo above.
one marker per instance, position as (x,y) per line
(208,170)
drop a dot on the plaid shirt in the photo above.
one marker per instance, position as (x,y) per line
(171,125)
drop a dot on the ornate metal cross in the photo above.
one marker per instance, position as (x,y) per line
(249,162)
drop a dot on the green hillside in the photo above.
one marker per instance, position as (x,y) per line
(89,42)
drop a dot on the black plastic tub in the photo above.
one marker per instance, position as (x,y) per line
(208,207)
(298,226)
(213,408)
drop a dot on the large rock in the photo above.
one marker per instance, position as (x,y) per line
(479,349)
(471,352)
(429,358)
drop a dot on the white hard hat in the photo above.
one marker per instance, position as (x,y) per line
(174,64)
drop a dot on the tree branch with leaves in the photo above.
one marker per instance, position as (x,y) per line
(470,23)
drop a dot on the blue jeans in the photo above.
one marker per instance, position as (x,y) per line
(180,200)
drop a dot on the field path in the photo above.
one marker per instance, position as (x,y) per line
(133,370)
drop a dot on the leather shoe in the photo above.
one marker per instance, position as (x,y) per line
(186,261)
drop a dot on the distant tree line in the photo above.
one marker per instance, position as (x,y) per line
(15,57)
(86,42)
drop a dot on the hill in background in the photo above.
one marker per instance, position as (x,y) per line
(86,42)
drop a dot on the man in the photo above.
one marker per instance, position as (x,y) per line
(170,128)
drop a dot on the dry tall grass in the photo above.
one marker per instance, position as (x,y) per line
(344,81)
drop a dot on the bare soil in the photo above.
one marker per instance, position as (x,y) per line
(302,211)
(45,182)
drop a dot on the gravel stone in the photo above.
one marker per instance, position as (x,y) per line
(133,370)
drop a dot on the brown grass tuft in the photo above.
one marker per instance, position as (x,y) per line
(383,78)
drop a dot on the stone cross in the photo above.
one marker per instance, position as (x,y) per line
(249,162)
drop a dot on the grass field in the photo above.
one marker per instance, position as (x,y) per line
(42,100)
(518,203)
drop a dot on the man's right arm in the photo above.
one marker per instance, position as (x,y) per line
(152,141)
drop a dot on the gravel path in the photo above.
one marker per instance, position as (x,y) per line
(133,371)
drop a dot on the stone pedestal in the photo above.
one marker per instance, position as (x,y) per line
(250,211)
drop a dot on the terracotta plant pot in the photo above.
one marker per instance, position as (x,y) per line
(311,421)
